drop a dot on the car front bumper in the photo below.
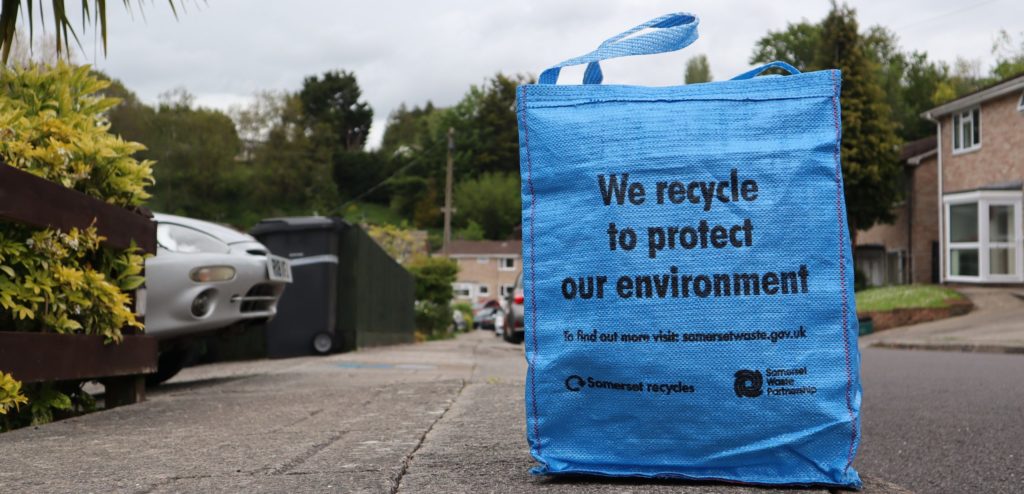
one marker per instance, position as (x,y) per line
(250,295)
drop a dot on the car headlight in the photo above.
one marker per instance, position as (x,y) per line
(212,273)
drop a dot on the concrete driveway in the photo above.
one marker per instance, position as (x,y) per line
(995,325)
(443,416)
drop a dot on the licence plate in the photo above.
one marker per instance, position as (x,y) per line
(279,269)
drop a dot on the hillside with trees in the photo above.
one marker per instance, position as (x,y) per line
(305,152)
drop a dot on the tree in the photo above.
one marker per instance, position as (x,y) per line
(264,112)
(356,172)
(870,148)
(332,111)
(486,142)
(490,141)
(291,174)
(1009,58)
(871,171)
(405,129)
(486,130)
(909,81)
(697,70)
(472,231)
(492,201)
(797,45)
(195,149)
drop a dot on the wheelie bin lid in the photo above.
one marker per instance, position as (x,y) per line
(297,223)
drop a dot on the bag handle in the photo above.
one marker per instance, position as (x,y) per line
(773,65)
(671,32)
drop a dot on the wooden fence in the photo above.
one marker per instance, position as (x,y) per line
(38,357)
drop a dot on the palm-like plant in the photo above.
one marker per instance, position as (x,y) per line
(94,12)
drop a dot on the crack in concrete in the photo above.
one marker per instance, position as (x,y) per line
(300,420)
(169,480)
(309,453)
(397,481)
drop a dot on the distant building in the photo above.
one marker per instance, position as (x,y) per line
(981,184)
(487,268)
(962,219)
(906,251)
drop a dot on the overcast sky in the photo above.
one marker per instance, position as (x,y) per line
(223,51)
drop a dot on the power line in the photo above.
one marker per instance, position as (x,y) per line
(946,14)
(341,209)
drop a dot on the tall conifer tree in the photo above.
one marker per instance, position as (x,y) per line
(870,149)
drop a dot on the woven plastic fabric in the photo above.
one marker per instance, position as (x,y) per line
(687,275)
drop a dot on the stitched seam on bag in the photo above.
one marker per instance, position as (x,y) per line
(564,103)
(533,279)
(842,275)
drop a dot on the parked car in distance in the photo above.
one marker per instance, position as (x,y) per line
(483,317)
(513,330)
(206,277)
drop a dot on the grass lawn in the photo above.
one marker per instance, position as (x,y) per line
(905,297)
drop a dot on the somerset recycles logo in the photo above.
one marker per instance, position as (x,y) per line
(748,383)
(575,383)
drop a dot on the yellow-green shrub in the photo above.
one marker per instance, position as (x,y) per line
(52,125)
(10,394)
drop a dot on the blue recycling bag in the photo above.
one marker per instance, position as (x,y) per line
(688,281)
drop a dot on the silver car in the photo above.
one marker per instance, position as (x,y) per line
(206,277)
(512,330)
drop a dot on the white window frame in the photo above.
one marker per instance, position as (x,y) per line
(984,199)
(469,288)
(503,267)
(507,289)
(483,290)
(959,119)
(1020,104)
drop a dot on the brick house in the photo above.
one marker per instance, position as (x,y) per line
(981,185)
(906,251)
(487,268)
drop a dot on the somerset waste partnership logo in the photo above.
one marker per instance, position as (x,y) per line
(748,383)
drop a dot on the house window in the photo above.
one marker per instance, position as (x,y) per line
(506,290)
(484,290)
(507,264)
(1020,104)
(462,290)
(983,236)
(967,130)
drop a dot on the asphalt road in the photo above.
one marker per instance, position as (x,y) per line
(943,422)
(448,417)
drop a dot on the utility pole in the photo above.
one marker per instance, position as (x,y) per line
(448,193)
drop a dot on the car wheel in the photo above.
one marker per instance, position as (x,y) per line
(322,343)
(168,365)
